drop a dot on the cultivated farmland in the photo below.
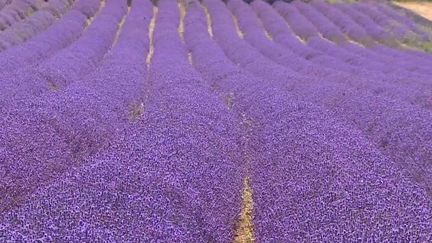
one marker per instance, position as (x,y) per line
(214,121)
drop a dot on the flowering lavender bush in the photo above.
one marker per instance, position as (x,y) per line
(213,121)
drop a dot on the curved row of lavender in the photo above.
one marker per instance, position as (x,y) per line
(351,63)
(402,20)
(59,35)
(84,55)
(113,132)
(365,108)
(182,137)
(392,86)
(37,22)
(370,61)
(79,58)
(283,228)
(50,124)
(359,33)
(15,11)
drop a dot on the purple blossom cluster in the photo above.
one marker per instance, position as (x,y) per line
(141,121)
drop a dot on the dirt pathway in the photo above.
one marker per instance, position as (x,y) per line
(421,8)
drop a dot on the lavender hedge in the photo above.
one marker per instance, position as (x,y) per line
(112,132)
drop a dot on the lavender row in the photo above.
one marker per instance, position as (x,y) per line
(275,25)
(326,28)
(174,173)
(421,158)
(87,7)
(344,61)
(315,41)
(61,34)
(58,7)
(152,180)
(377,33)
(25,29)
(330,31)
(277,28)
(346,103)
(253,32)
(390,86)
(67,127)
(373,85)
(422,22)
(403,20)
(16,11)
(401,32)
(184,113)
(190,116)
(126,61)
(356,32)
(24,83)
(322,52)
(374,30)
(346,24)
(294,175)
(254,35)
(85,54)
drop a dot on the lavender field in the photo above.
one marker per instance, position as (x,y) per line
(214,121)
